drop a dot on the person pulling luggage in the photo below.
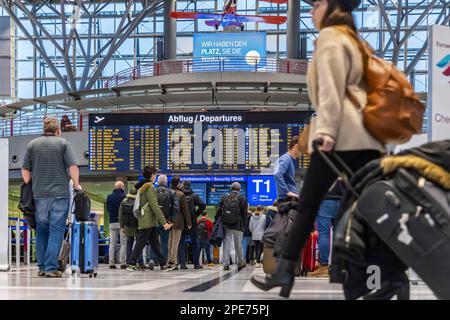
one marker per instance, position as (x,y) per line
(336,69)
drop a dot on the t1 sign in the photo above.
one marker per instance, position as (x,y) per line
(261,190)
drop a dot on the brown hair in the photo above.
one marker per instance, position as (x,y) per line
(148,172)
(336,15)
(294,142)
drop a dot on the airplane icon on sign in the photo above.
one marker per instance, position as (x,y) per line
(98,119)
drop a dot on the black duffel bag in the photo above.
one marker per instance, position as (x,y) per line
(27,205)
(81,206)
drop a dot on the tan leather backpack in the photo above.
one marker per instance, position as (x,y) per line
(393,113)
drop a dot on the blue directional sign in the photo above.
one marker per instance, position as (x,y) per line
(261,190)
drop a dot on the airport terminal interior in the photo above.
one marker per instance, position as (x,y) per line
(210,91)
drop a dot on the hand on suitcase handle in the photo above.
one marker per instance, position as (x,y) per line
(324,143)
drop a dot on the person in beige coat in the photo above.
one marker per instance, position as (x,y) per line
(336,69)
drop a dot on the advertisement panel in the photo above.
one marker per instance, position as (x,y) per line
(439,83)
(229,51)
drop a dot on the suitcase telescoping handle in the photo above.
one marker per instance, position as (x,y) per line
(325,156)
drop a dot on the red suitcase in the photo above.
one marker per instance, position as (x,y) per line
(309,256)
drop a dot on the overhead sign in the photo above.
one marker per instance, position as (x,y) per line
(439,83)
(261,190)
(234,51)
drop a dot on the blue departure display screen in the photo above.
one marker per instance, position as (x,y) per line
(200,143)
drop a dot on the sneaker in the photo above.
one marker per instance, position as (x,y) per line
(112,266)
(226,268)
(170,267)
(151,265)
(321,272)
(241,267)
(132,268)
(41,273)
(198,267)
(253,262)
(144,267)
(211,264)
(123,266)
(184,267)
(53,274)
(162,268)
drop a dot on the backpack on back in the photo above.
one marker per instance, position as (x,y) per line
(393,113)
(129,219)
(230,209)
(202,231)
(164,201)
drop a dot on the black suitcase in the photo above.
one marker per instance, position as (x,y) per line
(82,206)
(412,216)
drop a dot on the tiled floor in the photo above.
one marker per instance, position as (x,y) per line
(211,283)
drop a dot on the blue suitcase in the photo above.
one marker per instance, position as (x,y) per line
(84,253)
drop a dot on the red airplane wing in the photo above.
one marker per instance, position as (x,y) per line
(264,19)
(276,1)
(195,15)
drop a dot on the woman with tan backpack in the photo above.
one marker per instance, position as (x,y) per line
(338,85)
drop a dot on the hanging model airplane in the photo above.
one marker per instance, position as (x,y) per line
(229,16)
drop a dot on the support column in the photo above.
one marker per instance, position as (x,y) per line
(170,31)
(293,25)
(4,184)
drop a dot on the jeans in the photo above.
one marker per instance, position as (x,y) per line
(130,242)
(117,245)
(204,245)
(164,240)
(318,179)
(51,216)
(192,234)
(327,212)
(245,245)
(230,236)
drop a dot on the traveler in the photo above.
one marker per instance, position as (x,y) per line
(196,207)
(233,209)
(117,240)
(66,124)
(257,227)
(327,212)
(129,224)
(337,68)
(149,219)
(49,163)
(181,219)
(284,172)
(247,238)
(165,202)
(204,231)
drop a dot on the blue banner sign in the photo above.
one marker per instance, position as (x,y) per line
(232,51)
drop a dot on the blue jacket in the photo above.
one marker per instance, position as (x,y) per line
(284,175)
(113,204)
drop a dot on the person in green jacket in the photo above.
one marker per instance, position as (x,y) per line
(149,221)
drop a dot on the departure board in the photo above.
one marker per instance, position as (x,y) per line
(244,142)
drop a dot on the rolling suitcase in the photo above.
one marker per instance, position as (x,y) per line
(84,253)
(64,253)
(412,216)
(309,255)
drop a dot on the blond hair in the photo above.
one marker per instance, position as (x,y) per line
(51,125)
